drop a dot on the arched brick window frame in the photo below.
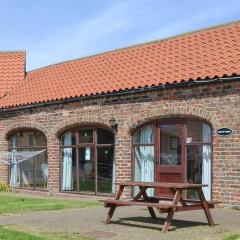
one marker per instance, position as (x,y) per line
(151,147)
(84,174)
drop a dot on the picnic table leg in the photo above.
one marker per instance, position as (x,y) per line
(112,208)
(146,198)
(168,221)
(181,200)
(142,190)
(205,206)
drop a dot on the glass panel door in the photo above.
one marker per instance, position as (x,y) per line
(198,143)
(170,164)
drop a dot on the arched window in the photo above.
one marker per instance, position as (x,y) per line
(88,161)
(32,173)
(173,151)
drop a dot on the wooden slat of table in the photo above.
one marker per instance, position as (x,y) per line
(110,202)
(162,185)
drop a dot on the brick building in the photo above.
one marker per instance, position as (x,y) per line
(149,112)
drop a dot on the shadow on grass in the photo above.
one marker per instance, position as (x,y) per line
(156,224)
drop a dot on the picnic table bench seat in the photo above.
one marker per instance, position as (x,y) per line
(211,204)
(162,204)
(118,203)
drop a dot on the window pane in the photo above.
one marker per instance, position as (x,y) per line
(104,137)
(144,135)
(40,139)
(25,139)
(105,170)
(69,169)
(41,170)
(86,169)
(86,136)
(27,173)
(199,168)
(198,132)
(170,145)
(68,139)
(13,140)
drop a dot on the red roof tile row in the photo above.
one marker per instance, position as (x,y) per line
(199,55)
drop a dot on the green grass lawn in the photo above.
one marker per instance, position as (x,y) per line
(232,237)
(7,233)
(23,204)
(29,204)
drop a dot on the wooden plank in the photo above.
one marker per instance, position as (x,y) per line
(186,208)
(168,221)
(142,190)
(189,207)
(163,185)
(182,201)
(110,202)
(146,198)
(205,207)
(112,208)
(155,198)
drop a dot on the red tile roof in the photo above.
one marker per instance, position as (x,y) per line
(12,70)
(198,55)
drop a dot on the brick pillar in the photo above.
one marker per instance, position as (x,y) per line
(53,166)
(123,158)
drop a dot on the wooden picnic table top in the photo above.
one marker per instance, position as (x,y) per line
(162,185)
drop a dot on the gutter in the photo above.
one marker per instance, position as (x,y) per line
(126,92)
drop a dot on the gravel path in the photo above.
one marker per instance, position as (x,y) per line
(128,223)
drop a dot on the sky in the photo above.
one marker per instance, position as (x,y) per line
(52,31)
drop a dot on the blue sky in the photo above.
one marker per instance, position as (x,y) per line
(52,31)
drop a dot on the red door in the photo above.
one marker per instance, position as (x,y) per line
(170,155)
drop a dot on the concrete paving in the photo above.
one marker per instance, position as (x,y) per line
(128,223)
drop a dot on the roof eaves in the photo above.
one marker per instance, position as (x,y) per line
(182,83)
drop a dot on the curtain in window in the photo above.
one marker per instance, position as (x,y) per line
(144,158)
(113,174)
(206,162)
(67,181)
(15,173)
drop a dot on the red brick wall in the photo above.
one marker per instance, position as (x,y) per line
(218,104)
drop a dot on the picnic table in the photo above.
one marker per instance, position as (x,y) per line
(164,204)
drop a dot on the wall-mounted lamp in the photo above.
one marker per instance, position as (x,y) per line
(113,124)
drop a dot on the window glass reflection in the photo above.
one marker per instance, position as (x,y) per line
(198,132)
